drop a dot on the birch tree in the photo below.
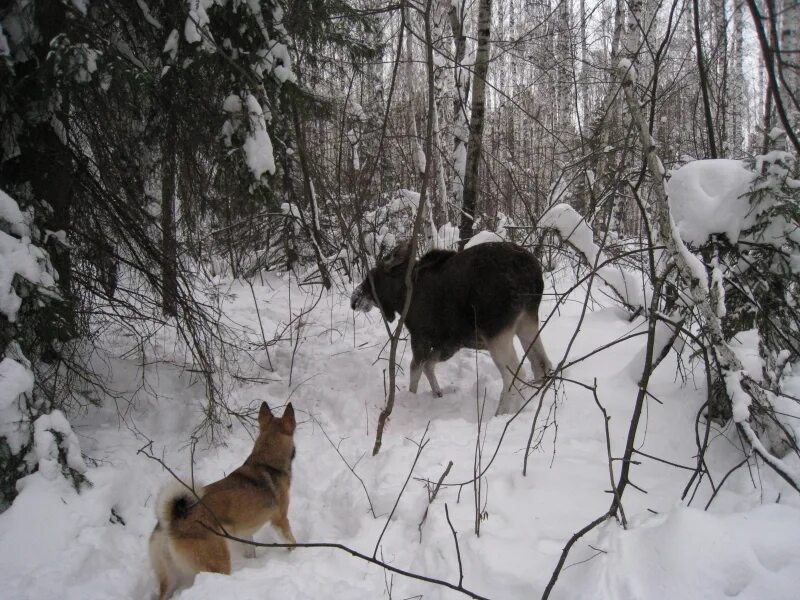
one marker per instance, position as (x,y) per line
(476,122)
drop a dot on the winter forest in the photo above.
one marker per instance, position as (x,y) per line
(200,201)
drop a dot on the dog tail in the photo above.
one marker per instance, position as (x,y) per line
(174,502)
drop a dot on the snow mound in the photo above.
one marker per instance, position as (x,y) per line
(707,197)
(746,556)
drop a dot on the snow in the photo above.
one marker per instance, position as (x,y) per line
(694,264)
(742,555)
(171,45)
(15,379)
(47,429)
(404,200)
(56,543)
(448,236)
(279,57)
(574,230)
(19,257)
(739,398)
(11,214)
(197,19)
(148,16)
(232,104)
(707,197)
(483,237)
(81,5)
(258,146)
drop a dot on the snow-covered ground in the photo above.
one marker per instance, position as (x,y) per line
(55,543)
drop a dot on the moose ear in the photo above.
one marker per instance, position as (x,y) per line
(264,415)
(398,255)
(288,419)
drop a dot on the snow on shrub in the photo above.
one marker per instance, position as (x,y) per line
(55,447)
(16,383)
(574,230)
(30,438)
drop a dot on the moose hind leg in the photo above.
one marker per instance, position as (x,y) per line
(501,348)
(428,368)
(531,339)
(416,373)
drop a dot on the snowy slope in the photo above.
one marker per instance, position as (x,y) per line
(57,544)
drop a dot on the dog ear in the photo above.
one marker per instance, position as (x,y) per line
(397,256)
(288,419)
(264,415)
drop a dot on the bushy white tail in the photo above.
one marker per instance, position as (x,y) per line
(175,498)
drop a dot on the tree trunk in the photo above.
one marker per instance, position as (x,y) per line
(460,89)
(472,170)
(738,102)
(790,64)
(704,84)
(603,160)
(564,72)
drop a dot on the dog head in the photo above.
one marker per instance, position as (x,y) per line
(275,443)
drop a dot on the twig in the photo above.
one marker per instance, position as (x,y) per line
(458,551)
(575,537)
(432,497)
(369,559)
(606,419)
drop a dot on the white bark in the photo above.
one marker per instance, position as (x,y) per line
(737,106)
(790,56)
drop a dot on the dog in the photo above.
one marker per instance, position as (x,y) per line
(188,536)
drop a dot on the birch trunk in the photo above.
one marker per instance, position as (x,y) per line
(790,63)
(472,168)
(737,106)
(460,88)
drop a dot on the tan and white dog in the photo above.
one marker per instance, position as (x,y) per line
(187,540)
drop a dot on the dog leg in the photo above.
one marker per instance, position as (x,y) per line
(283,527)
(162,563)
(210,554)
(248,550)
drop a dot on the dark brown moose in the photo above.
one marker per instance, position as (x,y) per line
(479,298)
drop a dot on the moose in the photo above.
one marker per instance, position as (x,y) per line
(479,298)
